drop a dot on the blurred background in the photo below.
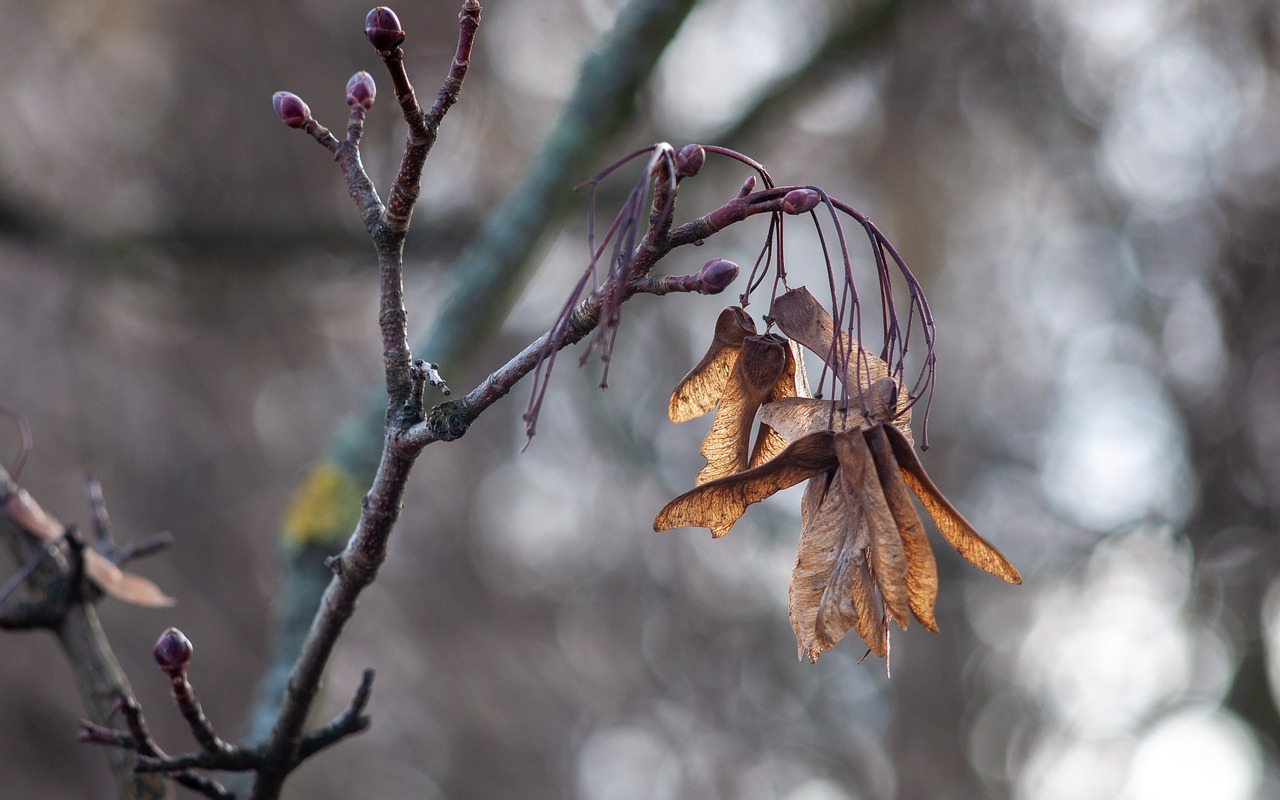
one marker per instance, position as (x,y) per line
(1089,191)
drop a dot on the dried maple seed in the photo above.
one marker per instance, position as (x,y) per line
(953,527)
(800,316)
(718,504)
(832,588)
(290,108)
(922,569)
(762,360)
(382,28)
(863,559)
(361,90)
(791,382)
(699,391)
(173,651)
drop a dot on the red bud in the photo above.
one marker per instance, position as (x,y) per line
(382,27)
(801,201)
(173,651)
(361,90)
(748,186)
(716,275)
(689,160)
(291,109)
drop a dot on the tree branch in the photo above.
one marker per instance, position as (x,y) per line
(487,279)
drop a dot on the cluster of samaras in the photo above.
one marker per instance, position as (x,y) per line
(863,559)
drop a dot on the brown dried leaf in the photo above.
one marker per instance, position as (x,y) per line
(888,558)
(922,570)
(718,504)
(831,587)
(953,527)
(760,363)
(124,585)
(801,317)
(22,508)
(700,390)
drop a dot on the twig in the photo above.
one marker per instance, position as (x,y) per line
(46,550)
(350,722)
(142,548)
(185,697)
(358,564)
(486,280)
(98,509)
(24,440)
(451,420)
(138,739)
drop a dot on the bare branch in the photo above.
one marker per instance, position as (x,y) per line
(350,722)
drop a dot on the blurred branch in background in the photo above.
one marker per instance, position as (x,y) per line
(56,590)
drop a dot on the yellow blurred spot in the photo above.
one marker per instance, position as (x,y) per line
(325,507)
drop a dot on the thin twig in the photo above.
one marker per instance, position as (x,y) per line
(185,698)
(46,550)
(350,722)
(24,440)
(98,509)
(367,549)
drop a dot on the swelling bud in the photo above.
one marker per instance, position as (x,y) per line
(173,652)
(689,160)
(382,28)
(292,111)
(361,90)
(716,275)
(800,201)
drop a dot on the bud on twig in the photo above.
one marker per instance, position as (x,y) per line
(173,652)
(748,186)
(689,160)
(382,27)
(801,201)
(716,275)
(361,90)
(291,109)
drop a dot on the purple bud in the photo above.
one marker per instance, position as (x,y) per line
(361,90)
(382,27)
(689,160)
(716,275)
(747,186)
(173,652)
(801,201)
(291,109)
